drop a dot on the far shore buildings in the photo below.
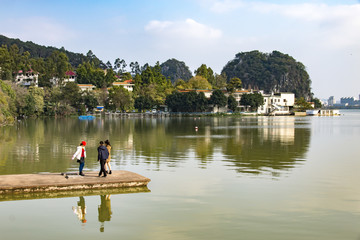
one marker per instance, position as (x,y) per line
(27,79)
(276,104)
(127,84)
(70,76)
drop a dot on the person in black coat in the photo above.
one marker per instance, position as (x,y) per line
(103,154)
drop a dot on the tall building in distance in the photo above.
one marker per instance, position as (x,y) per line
(331,101)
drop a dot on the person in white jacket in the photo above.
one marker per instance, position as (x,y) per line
(80,155)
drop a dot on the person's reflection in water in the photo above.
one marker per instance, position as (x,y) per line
(80,210)
(104,210)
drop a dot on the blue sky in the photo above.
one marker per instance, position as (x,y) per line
(323,35)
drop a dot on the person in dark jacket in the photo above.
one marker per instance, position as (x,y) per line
(103,154)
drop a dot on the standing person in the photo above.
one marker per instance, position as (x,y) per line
(107,165)
(80,155)
(103,154)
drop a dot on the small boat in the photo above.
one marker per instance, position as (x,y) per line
(312,112)
(86,117)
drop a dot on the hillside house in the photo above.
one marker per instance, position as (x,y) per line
(128,85)
(27,79)
(70,76)
(86,87)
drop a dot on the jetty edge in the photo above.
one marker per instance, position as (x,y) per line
(49,182)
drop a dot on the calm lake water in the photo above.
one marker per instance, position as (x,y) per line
(235,178)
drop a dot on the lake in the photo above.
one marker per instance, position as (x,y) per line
(233,178)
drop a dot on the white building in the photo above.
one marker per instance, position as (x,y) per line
(278,103)
(70,76)
(86,87)
(128,85)
(27,79)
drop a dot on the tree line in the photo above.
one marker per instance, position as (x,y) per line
(153,85)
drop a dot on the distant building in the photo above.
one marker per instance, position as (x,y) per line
(279,103)
(70,76)
(128,85)
(331,101)
(347,101)
(27,79)
(86,87)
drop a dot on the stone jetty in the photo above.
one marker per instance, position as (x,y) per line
(70,182)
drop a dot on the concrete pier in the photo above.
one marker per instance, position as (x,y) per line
(55,182)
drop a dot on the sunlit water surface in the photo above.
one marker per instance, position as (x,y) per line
(235,178)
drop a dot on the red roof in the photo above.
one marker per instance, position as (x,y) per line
(70,73)
(128,81)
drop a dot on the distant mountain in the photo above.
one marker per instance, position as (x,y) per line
(274,72)
(39,51)
(175,69)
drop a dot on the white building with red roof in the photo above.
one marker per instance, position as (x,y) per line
(27,79)
(70,76)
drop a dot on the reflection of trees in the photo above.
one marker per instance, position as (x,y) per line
(251,144)
(255,154)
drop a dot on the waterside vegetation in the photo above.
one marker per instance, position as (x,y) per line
(153,86)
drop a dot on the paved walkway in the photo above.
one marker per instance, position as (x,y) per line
(47,182)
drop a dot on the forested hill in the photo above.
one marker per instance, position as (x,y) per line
(274,72)
(39,51)
(175,69)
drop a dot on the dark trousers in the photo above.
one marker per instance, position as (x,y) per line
(102,167)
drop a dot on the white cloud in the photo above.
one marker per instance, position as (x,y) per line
(39,30)
(188,29)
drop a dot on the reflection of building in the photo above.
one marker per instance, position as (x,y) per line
(278,129)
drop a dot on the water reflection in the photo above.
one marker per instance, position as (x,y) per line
(249,144)
(74,193)
(104,210)
(80,209)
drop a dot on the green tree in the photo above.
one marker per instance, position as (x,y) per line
(232,103)
(37,98)
(71,95)
(143,103)
(218,98)
(175,101)
(220,81)
(120,98)
(89,100)
(181,84)
(302,105)
(317,102)
(201,102)
(234,83)
(6,63)
(206,72)
(198,82)
(254,100)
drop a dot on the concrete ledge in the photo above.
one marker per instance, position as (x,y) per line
(50,182)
